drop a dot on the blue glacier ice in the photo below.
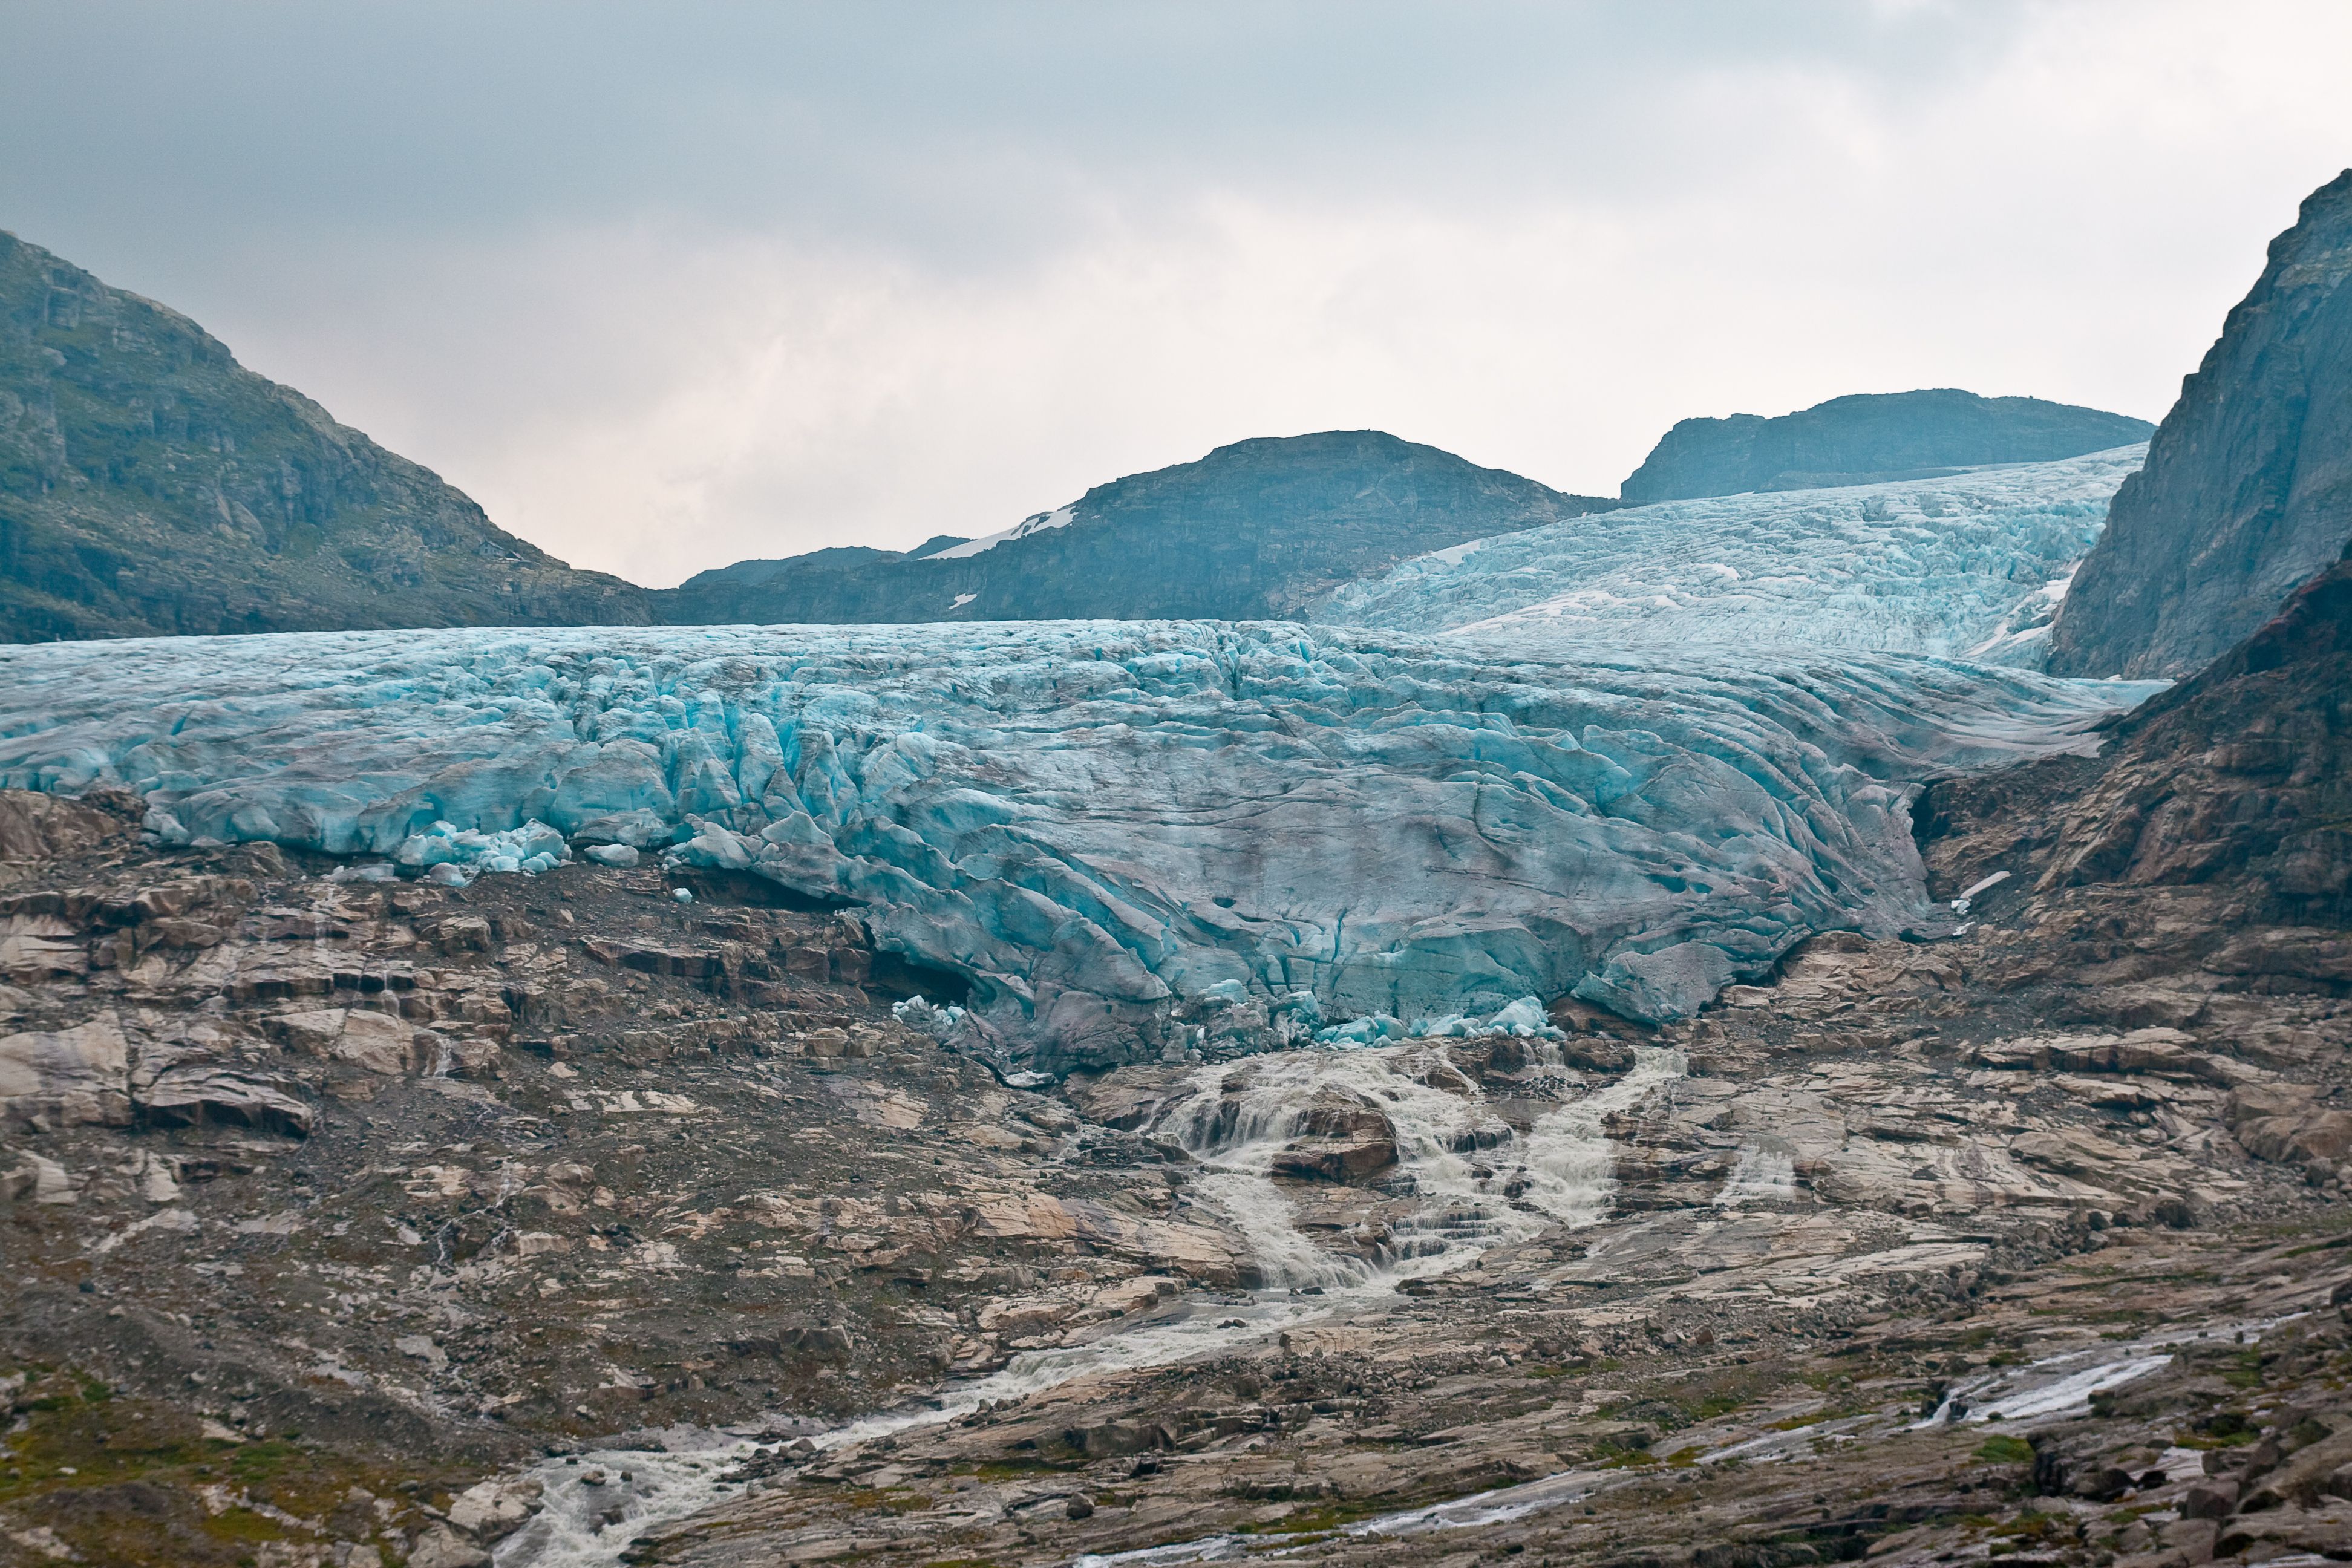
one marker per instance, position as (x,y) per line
(1971,565)
(1124,837)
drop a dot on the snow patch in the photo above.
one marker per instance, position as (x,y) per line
(1036,523)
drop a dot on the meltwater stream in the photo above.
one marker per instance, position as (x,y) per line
(1479,1185)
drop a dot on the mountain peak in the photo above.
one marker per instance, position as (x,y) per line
(1869,438)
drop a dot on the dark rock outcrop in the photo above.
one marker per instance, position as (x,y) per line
(1869,438)
(2243,773)
(1260,529)
(2248,486)
(149,484)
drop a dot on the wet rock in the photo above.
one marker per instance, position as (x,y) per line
(438,1546)
(494,1509)
(1115,1439)
(1596,1053)
(1336,1159)
(1131,1097)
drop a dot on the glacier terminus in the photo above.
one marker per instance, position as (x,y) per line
(1115,839)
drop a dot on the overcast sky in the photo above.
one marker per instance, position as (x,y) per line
(669,286)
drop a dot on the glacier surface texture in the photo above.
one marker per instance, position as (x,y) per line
(1109,829)
(1971,565)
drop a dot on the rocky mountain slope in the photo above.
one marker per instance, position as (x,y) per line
(150,484)
(1259,529)
(1867,438)
(2248,486)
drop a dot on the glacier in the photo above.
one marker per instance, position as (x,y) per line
(1971,564)
(1121,839)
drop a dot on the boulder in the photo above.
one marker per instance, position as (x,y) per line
(38,955)
(373,1042)
(1344,1159)
(203,1094)
(1131,1097)
(494,1510)
(438,1546)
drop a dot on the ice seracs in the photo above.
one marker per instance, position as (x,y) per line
(1973,565)
(1105,831)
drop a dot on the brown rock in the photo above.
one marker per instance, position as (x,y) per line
(36,827)
(2192,1536)
(2211,1499)
(1345,1159)
(198,1095)
(72,1076)
(36,956)
(649,960)
(440,1547)
(2295,952)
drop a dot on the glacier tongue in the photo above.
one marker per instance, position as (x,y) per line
(1972,564)
(1111,829)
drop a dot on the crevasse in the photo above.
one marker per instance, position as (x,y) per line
(1097,824)
(1970,565)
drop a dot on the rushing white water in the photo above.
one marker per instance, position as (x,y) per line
(2061,1385)
(1477,1183)
(1762,1176)
(1498,1506)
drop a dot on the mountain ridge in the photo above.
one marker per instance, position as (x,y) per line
(1870,438)
(150,483)
(1265,527)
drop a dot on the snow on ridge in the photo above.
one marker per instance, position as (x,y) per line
(1960,566)
(1036,523)
(1095,823)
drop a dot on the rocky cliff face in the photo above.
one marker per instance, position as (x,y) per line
(2248,487)
(2244,773)
(1868,438)
(1263,528)
(150,484)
